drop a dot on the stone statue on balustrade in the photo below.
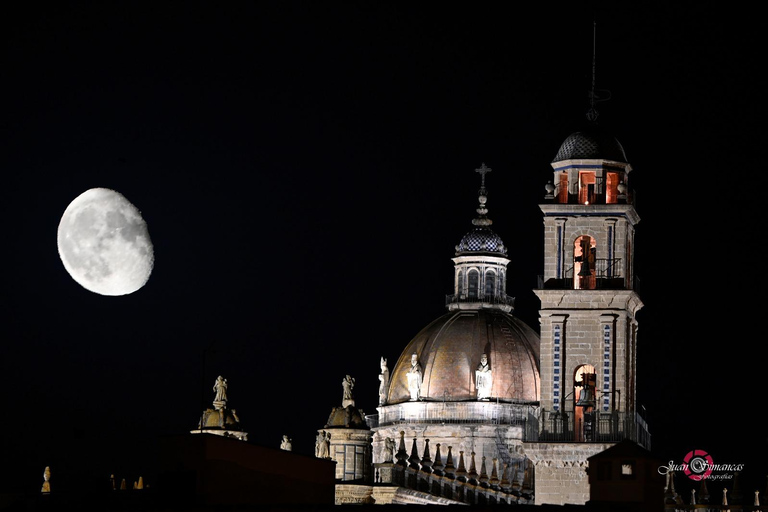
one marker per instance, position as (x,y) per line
(483,379)
(414,376)
(389,450)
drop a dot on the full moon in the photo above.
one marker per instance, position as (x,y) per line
(104,243)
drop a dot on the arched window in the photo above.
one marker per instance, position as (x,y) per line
(584,261)
(490,284)
(460,284)
(584,396)
(472,283)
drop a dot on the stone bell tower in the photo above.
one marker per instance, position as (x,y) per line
(588,308)
(587,293)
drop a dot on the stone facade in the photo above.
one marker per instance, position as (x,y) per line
(351,449)
(561,471)
(589,327)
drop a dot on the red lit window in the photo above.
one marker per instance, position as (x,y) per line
(587,187)
(562,191)
(612,188)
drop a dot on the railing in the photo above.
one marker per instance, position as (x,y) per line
(594,427)
(607,275)
(493,413)
(502,299)
(605,268)
(595,197)
(538,425)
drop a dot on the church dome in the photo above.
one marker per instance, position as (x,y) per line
(481,239)
(449,350)
(591,144)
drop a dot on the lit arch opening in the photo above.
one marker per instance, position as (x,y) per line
(584,260)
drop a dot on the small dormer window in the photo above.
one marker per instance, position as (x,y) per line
(628,469)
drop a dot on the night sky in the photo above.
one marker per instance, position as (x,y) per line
(305,170)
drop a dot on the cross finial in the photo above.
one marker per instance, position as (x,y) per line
(483,170)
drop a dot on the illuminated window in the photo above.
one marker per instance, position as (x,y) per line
(587,187)
(562,191)
(461,283)
(612,188)
(628,469)
(584,252)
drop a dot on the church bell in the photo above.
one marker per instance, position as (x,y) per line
(585,271)
(587,395)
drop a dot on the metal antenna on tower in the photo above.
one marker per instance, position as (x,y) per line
(593,96)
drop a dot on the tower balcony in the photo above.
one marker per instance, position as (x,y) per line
(606,275)
(476,301)
(588,427)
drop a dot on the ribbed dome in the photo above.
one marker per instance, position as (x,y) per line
(449,350)
(591,143)
(481,239)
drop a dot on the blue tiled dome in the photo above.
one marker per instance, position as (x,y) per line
(481,239)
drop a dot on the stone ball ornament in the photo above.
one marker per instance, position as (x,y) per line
(104,243)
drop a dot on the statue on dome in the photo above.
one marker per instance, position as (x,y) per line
(220,388)
(483,379)
(414,378)
(348,384)
(384,379)
(286,444)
